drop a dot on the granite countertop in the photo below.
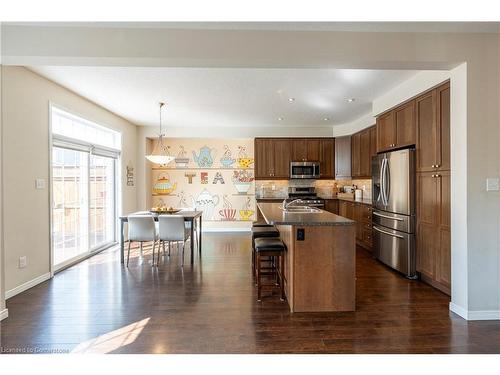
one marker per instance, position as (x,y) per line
(270,198)
(274,214)
(362,201)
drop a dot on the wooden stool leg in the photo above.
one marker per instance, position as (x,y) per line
(281,270)
(259,286)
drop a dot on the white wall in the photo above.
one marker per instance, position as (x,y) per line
(25,103)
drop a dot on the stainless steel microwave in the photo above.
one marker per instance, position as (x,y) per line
(304,169)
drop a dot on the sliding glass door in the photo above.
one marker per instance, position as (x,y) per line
(102,201)
(83,187)
(70,208)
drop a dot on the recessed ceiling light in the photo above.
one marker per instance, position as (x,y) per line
(291,99)
(350,100)
(280,118)
(326,119)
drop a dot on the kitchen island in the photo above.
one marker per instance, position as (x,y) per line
(319,272)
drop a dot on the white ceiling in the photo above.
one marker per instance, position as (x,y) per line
(229,97)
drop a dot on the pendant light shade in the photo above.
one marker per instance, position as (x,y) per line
(160,153)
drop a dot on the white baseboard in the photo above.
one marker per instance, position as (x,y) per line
(459,311)
(30,284)
(475,315)
(4,314)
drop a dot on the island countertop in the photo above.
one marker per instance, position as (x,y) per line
(274,214)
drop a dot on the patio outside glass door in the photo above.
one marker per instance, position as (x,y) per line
(70,210)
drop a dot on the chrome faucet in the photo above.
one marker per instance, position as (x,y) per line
(286,205)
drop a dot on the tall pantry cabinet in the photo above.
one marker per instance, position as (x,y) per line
(432,111)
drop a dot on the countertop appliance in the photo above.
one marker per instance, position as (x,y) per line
(307,194)
(304,169)
(394,208)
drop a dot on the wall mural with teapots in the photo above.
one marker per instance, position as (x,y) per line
(215,176)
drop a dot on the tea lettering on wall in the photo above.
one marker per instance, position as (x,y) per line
(204,178)
(190,176)
(218,178)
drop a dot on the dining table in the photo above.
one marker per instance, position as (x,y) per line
(189,216)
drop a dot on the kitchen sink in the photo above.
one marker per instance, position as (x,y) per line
(301,209)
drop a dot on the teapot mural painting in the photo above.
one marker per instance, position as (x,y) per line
(246,212)
(163,186)
(206,202)
(204,159)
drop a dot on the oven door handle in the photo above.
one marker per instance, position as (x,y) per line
(388,233)
(387,217)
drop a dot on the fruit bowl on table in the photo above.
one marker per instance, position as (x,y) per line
(160,211)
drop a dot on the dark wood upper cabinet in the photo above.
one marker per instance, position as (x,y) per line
(433,130)
(355,155)
(313,149)
(282,158)
(327,158)
(443,120)
(361,152)
(386,132)
(405,124)
(373,145)
(273,156)
(305,149)
(264,157)
(343,157)
(365,154)
(299,150)
(427,132)
(397,128)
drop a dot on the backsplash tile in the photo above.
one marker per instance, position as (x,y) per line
(324,188)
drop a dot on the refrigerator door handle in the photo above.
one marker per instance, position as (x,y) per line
(382,181)
(388,233)
(387,182)
(387,217)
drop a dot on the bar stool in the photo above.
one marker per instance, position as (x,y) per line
(274,248)
(262,232)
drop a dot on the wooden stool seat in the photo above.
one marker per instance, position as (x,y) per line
(274,248)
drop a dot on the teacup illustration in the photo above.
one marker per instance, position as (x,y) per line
(246,214)
(245,162)
(228,214)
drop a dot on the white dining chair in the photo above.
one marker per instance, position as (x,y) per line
(141,228)
(172,229)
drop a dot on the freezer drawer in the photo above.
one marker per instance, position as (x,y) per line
(396,249)
(403,223)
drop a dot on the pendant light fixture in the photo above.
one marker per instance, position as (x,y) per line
(160,153)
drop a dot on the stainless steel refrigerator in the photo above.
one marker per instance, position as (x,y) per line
(393,216)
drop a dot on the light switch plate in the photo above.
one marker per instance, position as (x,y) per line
(40,183)
(23,262)
(492,184)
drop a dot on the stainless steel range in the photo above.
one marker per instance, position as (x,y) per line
(307,196)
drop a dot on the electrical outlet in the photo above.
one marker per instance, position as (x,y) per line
(23,262)
(273,187)
(492,184)
(40,183)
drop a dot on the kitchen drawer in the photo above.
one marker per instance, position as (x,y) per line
(367,234)
(366,214)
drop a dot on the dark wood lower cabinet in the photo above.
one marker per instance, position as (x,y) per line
(332,205)
(362,214)
(434,229)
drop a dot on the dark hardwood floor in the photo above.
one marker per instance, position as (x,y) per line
(100,306)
